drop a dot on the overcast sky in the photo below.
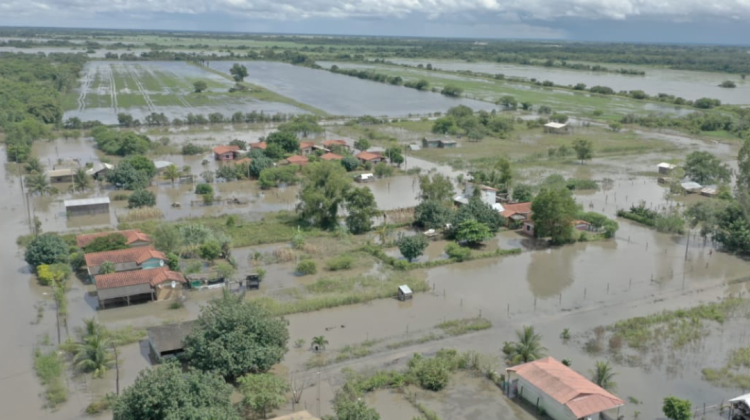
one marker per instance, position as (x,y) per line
(684,21)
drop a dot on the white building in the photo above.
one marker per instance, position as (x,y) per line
(487,195)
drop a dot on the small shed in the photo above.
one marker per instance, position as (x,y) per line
(99,169)
(166,340)
(430,143)
(252,281)
(363,178)
(665,168)
(94,205)
(447,144)
(691,187)
(709,192)
(404,292)
(414,147)
(162,165)
(61,175)
(306,147)
(556,128)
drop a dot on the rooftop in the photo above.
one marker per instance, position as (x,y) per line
(369,156)
(334,143)
(306,144)
(137,255)
(131,236)
(61,172)
(220,150)
(567,387)
(98,167)
(162,164)
(331,156)
(666,165)
(510,209)
(555,125)
(86,202)
(259,145)
(297,159)
(167,338)
(153,277)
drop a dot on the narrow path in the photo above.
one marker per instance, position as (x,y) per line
(139,85)
(85,85)
(112,89)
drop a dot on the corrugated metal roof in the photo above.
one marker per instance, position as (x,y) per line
(405,289)
(744,398)
(666,165)
(54,173)
(554,125)
(162,164)
(86,201)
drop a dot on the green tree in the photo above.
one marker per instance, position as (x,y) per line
(173,261)
(199,86)
(677,409)
(444,125)
(210,250)
(705,168)
(354,410)
(472,232)
(522,193)
(584,149)
(171,173)
(553,212)
(142,164)
(479,211)
(262,392)
(362,144)
(81,180)
(350,163)
(258,164)
(508,102)
(615,126)
(38,184)
(307,267)
(451,90)
(285,139)
(318,343)
(167,392)
(457,252)
(34,165)
(603,375)
(107,267)
(361,208)
(431,214)
(413,246)
(204,189)
(167,238)
(126,176)
(303,125)
(238,72)
(111,242)
(395,155)
(527,349)
(141,198)
(92,354)
(438,187)
(46,249)
(324,189)
(233,337)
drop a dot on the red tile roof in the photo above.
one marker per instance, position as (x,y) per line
(221,150)
(567,387)
(152,276)
(131,236)
(306,144)
(328,143)
(331,156)
(369,156)
(137,255)
(516,208)
(296,159)
(259,145)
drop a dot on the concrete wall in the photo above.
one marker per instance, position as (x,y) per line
(530,393)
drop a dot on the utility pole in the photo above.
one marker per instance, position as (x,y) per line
(318,393)
(686,246)
(117,369)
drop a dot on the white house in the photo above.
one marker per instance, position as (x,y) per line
(487,195)
(561,392)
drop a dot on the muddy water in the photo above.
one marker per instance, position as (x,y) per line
(391,405)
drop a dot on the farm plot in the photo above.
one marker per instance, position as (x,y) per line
(140,88)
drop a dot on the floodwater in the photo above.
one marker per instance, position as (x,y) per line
(343,95)
(687,84)
(105,84)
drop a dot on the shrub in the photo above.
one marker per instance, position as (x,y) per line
(342,262)
(191,149)
(141,198)
(306,267)
(457,252)
(54,273)
(210,250)
(204,189)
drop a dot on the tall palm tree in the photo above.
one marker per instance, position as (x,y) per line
(92,354)
(34,165)
(81,180)
(91,328)
(319,343)
(527,349)
(38,183)
(602,375)
(171,173)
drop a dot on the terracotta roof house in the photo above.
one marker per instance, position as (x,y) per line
(563,393)
(133,237)
(142,257)
(297,160)
(331,143)
(331,156)
(371,157)
(306,147)
(516,211)
(258,145)
(226,152)
(157,284)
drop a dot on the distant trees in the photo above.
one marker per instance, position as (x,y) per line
(199,86)
(473,232)
(262,392)
(451,90)
(362,144)
(584,149)
(727,84)
(285,140)
(120,143)
(303,125)
(238,72)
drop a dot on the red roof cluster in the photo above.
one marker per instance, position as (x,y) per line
(131,236)
(297,160)
(369,156)
(152,276)
(137,255)
(306,144)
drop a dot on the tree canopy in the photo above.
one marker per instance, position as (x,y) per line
(472,232)
(432,214)
(111,242)
(46,249)
(584,149)
(324,189)
(286,140)
(238,72)
(553,212)
(141,198)
(677,409)
(262,392)
(361,208)
(705,168)
(437,187)
(413,246)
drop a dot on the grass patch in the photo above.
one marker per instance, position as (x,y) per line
(734,374)
(50,368)
(464,326)
(127,335)
(377,252)
(414,341)
(140,214)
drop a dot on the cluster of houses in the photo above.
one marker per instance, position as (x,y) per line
(136,273)
(306,149)
(688,186)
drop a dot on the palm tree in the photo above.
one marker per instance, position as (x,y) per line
(92,354)
(602,375)
(171,173)
(38,183)
(107,267)
(90,329)
(81,180)
(527,349)
(319,343)
(34,165)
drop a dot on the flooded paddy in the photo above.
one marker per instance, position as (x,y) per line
(343,95)
(687,84)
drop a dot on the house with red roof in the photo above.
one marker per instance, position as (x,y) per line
(306,147)
(258,145)
(331,156)
(138,285)
(371,157)
(133,237)
(561,392)
(297,160)
(335,143)
(138,258)
(224,153)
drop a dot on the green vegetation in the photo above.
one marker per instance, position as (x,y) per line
(669,220)
(306,267)
(527,349)
(262,393)
(50,368)
(554,211)
(412,246)
(603,375)
(734,373)
(463,326)
(46,249)
(141,198)
(677,409)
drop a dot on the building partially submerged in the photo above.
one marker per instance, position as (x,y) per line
(138,258)
(331,156)
(370,157)
(486,194)
(138,285)
(691,187)
(99,169)
(561,392)
(665,168)
(167,340)
(61,175)
(556,128)
(297,160)
(404,292)
(516,212)
(84,206)
(328,144)
(133,237)
(438,143)
(226,152)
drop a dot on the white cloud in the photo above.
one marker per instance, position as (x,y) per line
(502,10)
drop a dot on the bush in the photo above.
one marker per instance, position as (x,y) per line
(306,267)
(141,198)
(342,262)
(204,189)
(383,170)
(457,252)
(191,149)
(210,250)
(46,249)
(54,273)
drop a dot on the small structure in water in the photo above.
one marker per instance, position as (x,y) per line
(691,187)
(252,281)
(368,177)
(61,175)
(166,340)
(556,128)
(666,168)
(404,292)
(94,205)
(138,285)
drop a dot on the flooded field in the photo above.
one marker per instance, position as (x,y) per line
(140,88)
(687,84)
(343,95)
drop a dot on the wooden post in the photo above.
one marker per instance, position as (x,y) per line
(117,369)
